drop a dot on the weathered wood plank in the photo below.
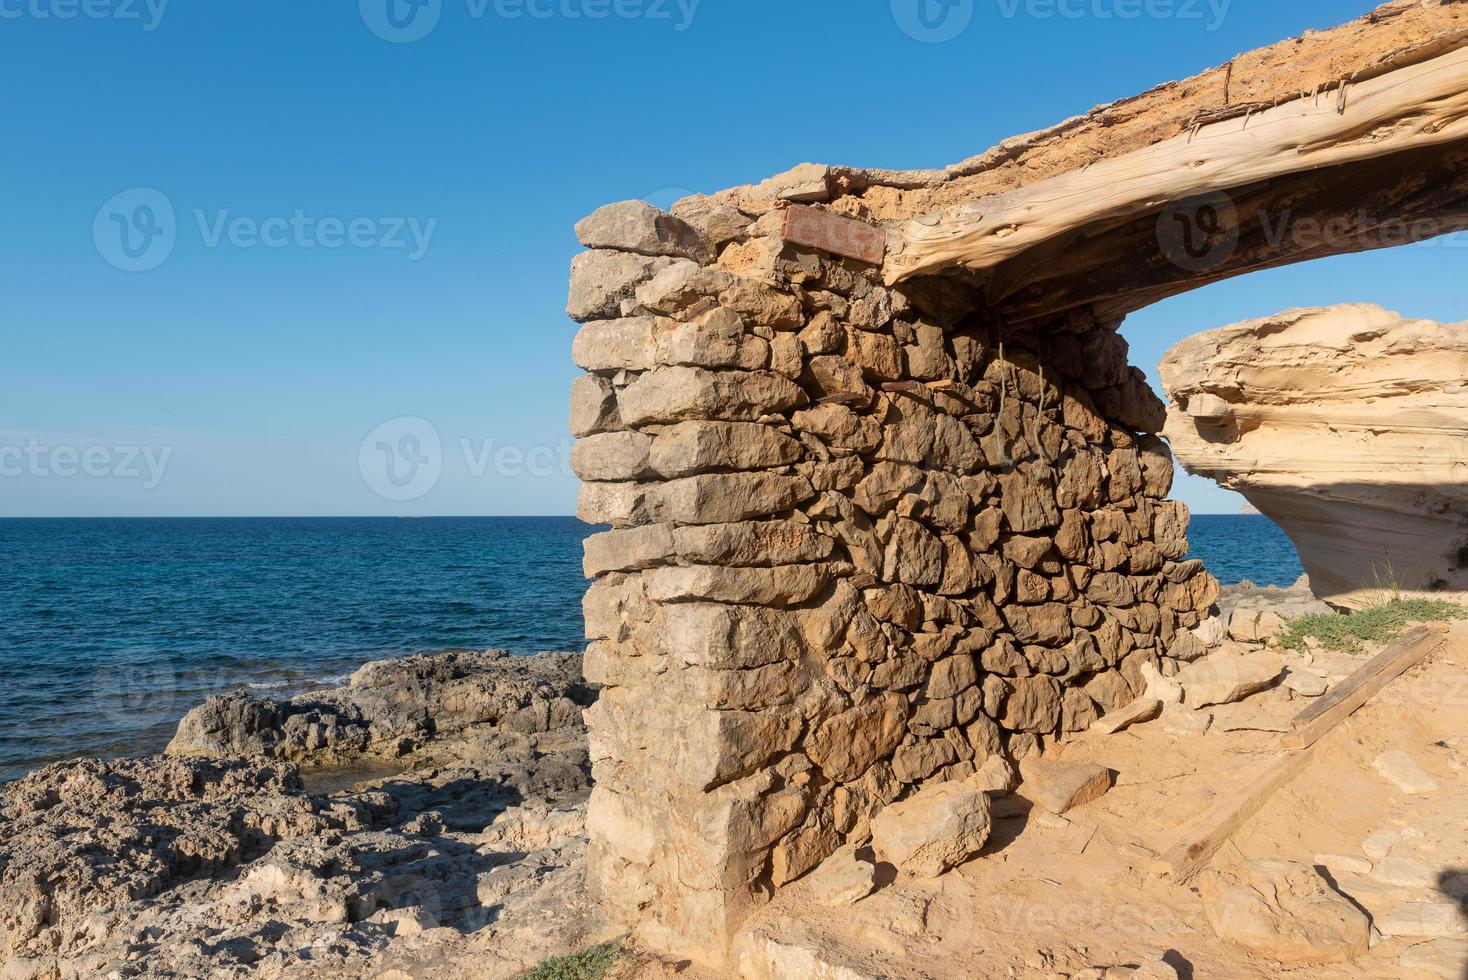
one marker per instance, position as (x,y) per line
(1197,845)
(1424,104)
(1347,697)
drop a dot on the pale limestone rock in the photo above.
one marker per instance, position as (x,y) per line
(1438,959)
(1140,710)
(601,280)
(1350,863)
(752,543)
(728,498)
(1164,689)
(843,879)
(1403,772)
(783,585)
(1060,787)
(1379,844)
(716,339)
(934,830)
(699,446)
(1224,680)
(997,775)
(716,222)
(615,345)
(1406,872)
(593,406)
(627,549)
(1185,722)
(677,284)
(1285,912)
(617,504)
(613,456)
(676,394)
(1357,419)
(808,182)
(1305,683)
(636,226)
(1255,626)
(1424,920)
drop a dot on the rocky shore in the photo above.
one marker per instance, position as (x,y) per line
(425,819)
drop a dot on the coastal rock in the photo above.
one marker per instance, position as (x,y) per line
(465,859)
(391,707)
(1347,426)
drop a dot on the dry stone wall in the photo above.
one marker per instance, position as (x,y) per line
(863,539)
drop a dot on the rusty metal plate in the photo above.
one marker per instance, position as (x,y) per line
(830,232)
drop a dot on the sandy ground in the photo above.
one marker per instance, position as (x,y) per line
(1052,897)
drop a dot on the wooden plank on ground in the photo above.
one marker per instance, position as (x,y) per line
(1347,697)
(1197,845)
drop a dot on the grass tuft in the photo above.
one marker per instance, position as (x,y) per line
(1378,624)
(589,964)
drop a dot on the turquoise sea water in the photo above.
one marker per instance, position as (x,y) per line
(111,629)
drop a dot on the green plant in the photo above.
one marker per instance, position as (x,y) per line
(589,964)
(1380,623)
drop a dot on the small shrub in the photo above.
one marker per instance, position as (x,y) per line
(1378,624)
(1463,556)
(589,964)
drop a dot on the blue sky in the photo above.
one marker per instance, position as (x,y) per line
(241,378)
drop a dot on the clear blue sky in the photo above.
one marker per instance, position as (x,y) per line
(260,370)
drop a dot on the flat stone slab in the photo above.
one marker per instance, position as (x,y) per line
(1403,772)
(1063,786)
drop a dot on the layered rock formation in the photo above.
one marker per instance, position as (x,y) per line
(1348,426)
(467,860)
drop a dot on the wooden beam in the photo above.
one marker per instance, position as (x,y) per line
(1424,104)
(1197,845)
(1347,697)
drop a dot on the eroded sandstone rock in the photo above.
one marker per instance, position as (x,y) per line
(1348,426)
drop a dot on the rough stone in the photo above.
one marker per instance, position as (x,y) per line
(934,830)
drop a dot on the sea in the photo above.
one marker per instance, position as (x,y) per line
(110,630)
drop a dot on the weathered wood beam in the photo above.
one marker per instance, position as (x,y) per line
(1354,208)
(1421,105)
